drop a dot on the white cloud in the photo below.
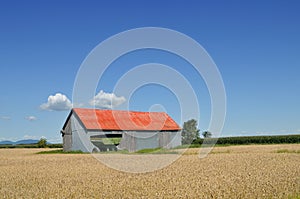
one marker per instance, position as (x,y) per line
(107,100)
(54,140)
(265,133)
(30,118)
(5,117)
(30,137)
(57,102)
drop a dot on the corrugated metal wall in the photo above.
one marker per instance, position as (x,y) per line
(128,141)
(146,140)
(174,139)
(134,141)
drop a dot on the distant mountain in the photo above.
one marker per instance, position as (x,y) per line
(6,142)
(29,141)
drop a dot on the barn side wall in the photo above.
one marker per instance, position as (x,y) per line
(128,141)
(174,139)
(146,140)
(134,141)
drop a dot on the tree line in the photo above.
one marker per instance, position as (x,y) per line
(191,135)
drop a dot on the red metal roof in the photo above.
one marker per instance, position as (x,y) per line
(95,119)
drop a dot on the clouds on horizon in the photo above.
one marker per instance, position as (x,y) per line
(55,139)
(30,118)
(30,137)
(57,102)
(5,118)
(107,100)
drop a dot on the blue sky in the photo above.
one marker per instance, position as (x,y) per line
(255,45)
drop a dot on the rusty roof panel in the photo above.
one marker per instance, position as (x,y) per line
(95,119)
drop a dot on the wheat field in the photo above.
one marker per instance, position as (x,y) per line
(254,171)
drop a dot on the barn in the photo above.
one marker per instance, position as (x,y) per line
(94,130)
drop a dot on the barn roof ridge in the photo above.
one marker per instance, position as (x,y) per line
(133,111)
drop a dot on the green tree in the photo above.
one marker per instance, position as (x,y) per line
(42,143)
(207,134)
(190,132)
